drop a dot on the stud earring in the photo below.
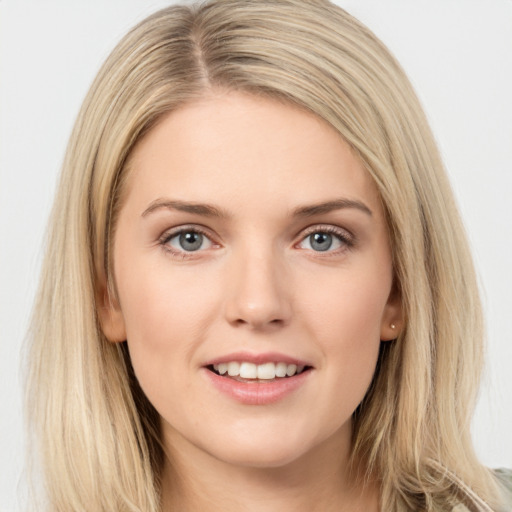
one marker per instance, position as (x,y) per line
(393,326)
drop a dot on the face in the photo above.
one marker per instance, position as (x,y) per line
(254,279)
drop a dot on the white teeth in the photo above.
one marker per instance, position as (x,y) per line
(265,371)
(233,369)
(281,369)
(248,371)
(291,369)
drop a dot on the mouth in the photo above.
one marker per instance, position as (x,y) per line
(247,372)
(257,379)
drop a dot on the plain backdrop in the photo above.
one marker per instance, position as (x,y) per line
(458,54)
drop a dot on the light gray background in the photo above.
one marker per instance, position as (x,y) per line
(458,54)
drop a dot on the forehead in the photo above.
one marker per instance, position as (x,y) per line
(233,147)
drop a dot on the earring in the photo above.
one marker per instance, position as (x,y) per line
(393,326)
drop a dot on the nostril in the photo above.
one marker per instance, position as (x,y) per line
(255,322)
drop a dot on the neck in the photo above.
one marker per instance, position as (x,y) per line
(194,481)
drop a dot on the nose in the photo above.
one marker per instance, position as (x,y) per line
(259,291)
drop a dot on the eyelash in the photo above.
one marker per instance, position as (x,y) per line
(169,235)
(346,238)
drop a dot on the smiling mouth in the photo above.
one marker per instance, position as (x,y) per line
(250,372)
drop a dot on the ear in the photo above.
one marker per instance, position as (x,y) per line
(392,319)
(110,316)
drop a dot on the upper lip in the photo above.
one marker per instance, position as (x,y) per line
(266,357)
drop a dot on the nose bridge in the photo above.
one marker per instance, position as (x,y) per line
(259,289)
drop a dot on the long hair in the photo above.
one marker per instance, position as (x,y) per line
(96,434)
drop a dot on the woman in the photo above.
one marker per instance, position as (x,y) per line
(221,339)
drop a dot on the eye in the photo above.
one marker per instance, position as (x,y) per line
(189,240)
(325,240)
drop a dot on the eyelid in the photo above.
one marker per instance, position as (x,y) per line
(170,232)
(329,228)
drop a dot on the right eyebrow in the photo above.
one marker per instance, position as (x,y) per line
(203,209)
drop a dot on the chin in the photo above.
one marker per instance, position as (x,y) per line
(266,458)
(264,449)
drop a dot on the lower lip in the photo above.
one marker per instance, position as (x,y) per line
(258,392)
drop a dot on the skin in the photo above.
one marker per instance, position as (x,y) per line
(257,284)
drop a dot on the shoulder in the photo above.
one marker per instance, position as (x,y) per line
(504,477)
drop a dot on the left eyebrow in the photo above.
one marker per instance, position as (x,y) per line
(329,206)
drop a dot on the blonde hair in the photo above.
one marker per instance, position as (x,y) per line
(97,435)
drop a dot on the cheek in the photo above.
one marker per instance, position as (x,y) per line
(347,308)
(158,303)
(345,319)
(166,317)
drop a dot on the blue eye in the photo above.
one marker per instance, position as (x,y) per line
(324,240)
(189,241)
(320,241)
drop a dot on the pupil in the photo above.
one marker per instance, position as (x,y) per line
(321,241)
(191,241)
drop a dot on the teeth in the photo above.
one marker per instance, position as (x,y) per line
(265,371)
(292,368)
(248,371)
(281,369)
(233,369)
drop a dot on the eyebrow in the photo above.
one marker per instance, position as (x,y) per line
(183,206)
(329,206)
(208,210)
